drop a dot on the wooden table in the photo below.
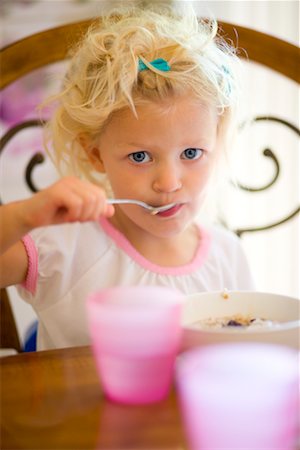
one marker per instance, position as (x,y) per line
(53,400)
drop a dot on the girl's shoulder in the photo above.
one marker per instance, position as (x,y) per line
(223,235)
(67,235)
(60,254)
(224,242)
(228,256)
(67,244)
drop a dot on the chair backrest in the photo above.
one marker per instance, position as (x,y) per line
(51,46)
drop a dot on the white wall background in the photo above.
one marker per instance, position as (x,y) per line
(273,255)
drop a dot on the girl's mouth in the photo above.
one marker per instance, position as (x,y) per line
(170,212)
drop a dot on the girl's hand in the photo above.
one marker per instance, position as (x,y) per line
(68,200)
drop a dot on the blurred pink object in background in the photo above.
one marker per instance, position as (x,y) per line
(240,396)
(20,99)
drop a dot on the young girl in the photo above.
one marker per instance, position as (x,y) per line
(145,113)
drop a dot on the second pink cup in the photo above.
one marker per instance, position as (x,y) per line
(135,333)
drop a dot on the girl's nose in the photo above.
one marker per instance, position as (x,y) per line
(167,179)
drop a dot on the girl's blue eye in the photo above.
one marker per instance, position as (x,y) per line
(192,153)
(139,157)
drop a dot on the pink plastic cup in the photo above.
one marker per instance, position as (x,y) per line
(135,333)
(240,396)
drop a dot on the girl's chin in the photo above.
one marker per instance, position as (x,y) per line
(167,228)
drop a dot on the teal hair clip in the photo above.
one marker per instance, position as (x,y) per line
(227,77)
(160,64)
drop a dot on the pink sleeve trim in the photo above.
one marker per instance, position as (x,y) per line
(32,273)
(123,243)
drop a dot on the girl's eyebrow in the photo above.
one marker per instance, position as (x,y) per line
(200,143)
(137,144)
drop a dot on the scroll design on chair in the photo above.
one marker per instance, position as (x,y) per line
(267,152)
(36,159)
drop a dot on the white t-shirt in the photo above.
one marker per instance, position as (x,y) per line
(68,262)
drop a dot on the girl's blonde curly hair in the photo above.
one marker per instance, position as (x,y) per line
(103,75)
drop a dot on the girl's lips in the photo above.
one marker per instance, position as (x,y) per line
(171,211)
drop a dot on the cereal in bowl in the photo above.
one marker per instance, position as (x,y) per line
(240,321)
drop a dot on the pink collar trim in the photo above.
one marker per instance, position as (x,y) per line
(127,247)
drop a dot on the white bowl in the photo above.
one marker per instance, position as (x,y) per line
(278,308)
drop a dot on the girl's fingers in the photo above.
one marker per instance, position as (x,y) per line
(68,200)
(110,210)
(76,209)
(93,201)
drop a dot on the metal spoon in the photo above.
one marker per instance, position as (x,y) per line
(153,209)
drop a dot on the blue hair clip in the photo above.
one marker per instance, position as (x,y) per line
(227,77)
(160,64)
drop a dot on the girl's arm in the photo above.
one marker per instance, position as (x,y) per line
(68,200)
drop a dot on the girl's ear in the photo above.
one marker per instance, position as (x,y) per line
(93,153)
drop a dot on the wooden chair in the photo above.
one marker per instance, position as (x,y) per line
(51,46)
(9,336)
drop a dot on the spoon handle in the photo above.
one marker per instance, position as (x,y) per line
(114,201)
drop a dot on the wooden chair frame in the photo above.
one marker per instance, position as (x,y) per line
(52,45)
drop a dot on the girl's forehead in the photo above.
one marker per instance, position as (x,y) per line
(174,109)
(175,121)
